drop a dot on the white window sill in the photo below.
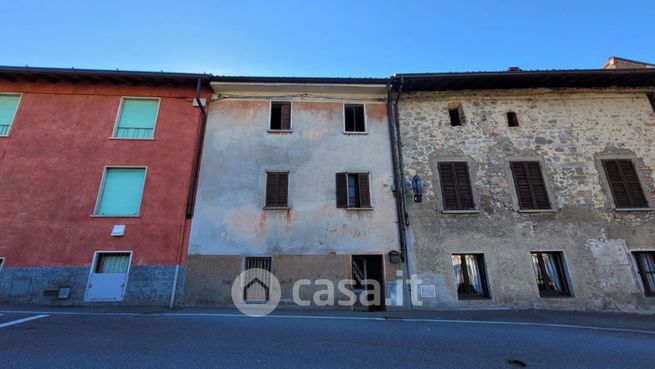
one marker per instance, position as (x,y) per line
(280,131)
(535,211)
(132,139)
(362,209)
(472,211)
(355,133)
(115,216)
(622,210)
(276,208)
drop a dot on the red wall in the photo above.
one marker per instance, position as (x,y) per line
(51,167)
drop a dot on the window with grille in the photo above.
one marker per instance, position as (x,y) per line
(277,189)
(353,190)
(280,116)
(354,119)
(530,185)
(624,184)
(471,276)
(456,186)
(257,279)
(646,269)
(550,275)
(8,107)
(136,119)
(113,262)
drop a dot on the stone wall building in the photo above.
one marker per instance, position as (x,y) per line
(297,179)
(538,188)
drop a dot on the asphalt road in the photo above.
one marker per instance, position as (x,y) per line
(230,341)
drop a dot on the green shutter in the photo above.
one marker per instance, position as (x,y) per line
(121,191)
(137,118)
(8,106)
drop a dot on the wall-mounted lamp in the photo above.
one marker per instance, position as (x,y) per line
(417,188)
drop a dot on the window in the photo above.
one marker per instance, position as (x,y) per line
(512,119)
(456,186)
(353,190)
(280,116)
(456,114)
(121,191)
(354,118)
(277,189)
(646,270)
(471,276)
(651,99)
(113,262)
(136,118)
(8,107)
(624,184)
(257,280)
(549,272)
(530,186)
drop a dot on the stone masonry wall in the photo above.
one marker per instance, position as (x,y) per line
(568,131)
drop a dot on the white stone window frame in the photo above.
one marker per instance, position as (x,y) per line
(13,119)
(607,190)
(437,178)
(548,183)
(343,113)
(270,117)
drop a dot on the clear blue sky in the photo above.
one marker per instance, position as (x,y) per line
(329,38)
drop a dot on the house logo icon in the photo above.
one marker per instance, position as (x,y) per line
(256,292)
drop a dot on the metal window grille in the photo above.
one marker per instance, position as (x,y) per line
(257,282)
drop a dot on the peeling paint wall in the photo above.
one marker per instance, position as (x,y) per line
(568,131)
(229,216)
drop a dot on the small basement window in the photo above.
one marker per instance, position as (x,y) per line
(280,116)
(257,282)
(456,114)
(512,119)
(651,98)
(354,118)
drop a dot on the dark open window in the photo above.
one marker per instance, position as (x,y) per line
(456,186)
(646,270)
(512,119)
(353,190)
(354,118)
(456,114)
(2,262)
(624,184)
(257,280)
(471,276)
(530,186)
(549,272)
(277,189)
(651,98)
(280,116)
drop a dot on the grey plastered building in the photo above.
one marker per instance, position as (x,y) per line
(537,188)
(297,178)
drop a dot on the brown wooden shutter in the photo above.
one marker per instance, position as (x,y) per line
(456,186)
(364,191)
(286,116)
(624,184)
(342,190)
(530,186)
(277,190)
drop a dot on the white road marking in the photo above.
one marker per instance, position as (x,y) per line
(328,317)
(18,321)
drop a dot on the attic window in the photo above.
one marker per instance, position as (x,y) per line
(456,114)
(651,98)
(512,119)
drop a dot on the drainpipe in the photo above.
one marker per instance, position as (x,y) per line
(191,195)
(396,159)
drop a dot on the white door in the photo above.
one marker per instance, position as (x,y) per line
(108,277)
